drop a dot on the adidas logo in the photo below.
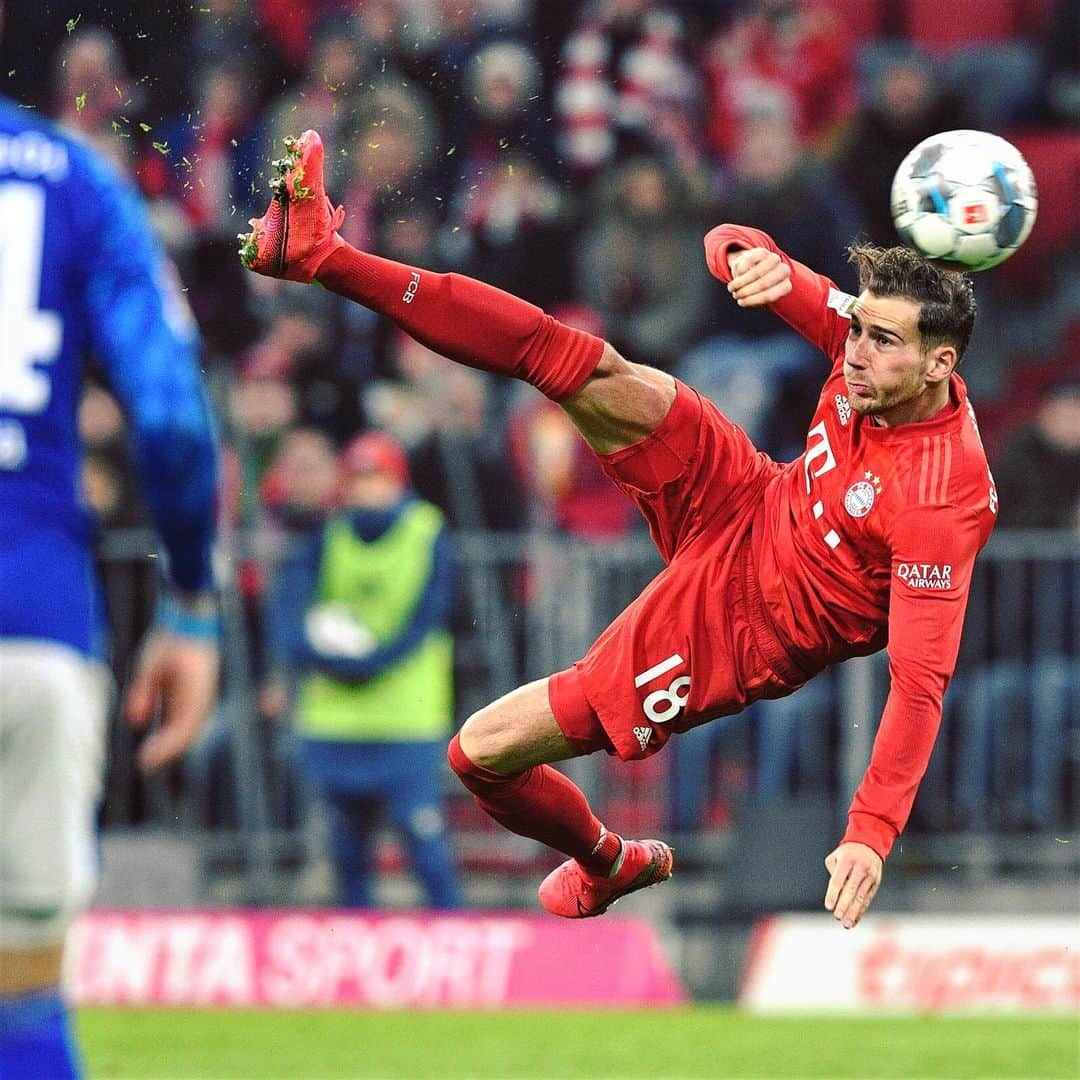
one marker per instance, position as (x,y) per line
(644,734)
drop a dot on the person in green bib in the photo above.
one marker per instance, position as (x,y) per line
(360,616)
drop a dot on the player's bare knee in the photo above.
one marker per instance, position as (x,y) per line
(486,736)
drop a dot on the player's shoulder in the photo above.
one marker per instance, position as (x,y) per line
(33,147)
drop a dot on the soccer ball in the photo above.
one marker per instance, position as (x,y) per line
(964,200)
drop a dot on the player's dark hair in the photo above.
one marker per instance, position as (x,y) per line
(945,298)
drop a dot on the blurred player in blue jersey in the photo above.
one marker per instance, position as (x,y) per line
(80,274)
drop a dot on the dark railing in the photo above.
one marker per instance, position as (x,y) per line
(1005,773)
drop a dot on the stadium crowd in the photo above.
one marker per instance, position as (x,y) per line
(574,154)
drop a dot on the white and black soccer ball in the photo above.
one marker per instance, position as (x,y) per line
(965,200)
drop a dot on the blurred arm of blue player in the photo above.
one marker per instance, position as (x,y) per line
(143,332)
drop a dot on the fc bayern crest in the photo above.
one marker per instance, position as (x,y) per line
(859,498)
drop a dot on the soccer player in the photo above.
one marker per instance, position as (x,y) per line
(773,571)
(79,273)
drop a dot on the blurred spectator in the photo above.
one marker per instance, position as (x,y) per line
(210,159)
(788,193)
(1038,474)
(300,487)
(201,172)
(409,233)
(291,25)
(639,263)
(233,36)
(564,486)
(443,413)
(1014,720)
(109,485)
(790,59)
(625,86)
(94,95)
(1062,60)
(392,140)
(512,228)
(903,104)
(262,408)
(324,352)
(765,377)
(302,484)
(458,30)
(500,111)
(448,416)
(359,615)
(325,96)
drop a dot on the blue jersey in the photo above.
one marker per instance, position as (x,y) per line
(81,275)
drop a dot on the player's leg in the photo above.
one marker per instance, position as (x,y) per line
(621,404)
(614,403)
(52,710)
(503,755)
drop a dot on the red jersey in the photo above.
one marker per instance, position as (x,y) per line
(869,540)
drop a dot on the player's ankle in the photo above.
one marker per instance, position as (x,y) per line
(606,857)
(616,866)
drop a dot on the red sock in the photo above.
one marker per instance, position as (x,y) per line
(468,321)
(543,804)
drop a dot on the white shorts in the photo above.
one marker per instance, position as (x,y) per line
(53,706)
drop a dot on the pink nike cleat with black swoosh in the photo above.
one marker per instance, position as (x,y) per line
(298,232)
(573,893)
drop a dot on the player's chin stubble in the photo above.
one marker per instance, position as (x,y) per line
(881,401)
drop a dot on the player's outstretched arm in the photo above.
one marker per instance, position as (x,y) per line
(759,274)
(145,337)
(855,872)
(924,639)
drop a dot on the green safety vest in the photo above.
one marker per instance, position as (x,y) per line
(381,583)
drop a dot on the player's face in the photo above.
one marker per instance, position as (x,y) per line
(888,374)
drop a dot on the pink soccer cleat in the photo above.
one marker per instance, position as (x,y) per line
(299,229)
(572,892)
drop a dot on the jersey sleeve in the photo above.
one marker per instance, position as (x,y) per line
(933,553)
(142,331)
(815,307)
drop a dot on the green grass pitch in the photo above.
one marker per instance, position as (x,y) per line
(701,1041)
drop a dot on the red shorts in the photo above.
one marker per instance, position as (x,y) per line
(696,644)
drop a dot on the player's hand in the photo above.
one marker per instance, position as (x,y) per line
(758,277)
(179,676)
(855,873)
